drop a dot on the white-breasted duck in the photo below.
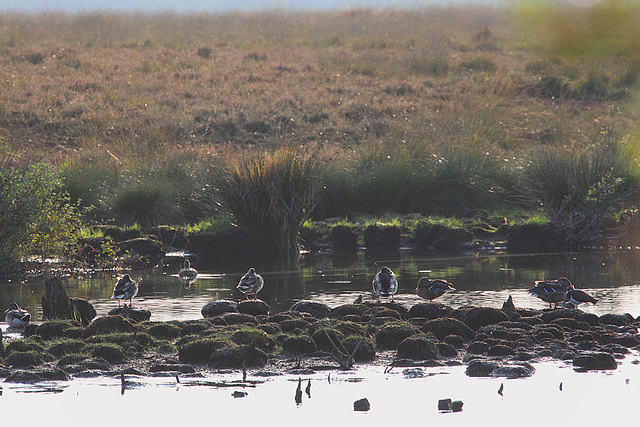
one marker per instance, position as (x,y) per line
(251,283)
(385,283)
(16,317)
(125,289)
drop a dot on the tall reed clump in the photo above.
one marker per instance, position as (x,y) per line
(36,218)
(581,190)
(271,195)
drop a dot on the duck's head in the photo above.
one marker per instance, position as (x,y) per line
(386,270)
(187,264)
(251,271)
(565,282)
(12,306)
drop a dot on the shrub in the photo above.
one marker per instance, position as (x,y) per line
(271,194)
(579,190)
(36,217)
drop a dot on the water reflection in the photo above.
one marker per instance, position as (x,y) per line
(611,277)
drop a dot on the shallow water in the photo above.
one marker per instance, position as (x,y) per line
(584,398)
(487,280)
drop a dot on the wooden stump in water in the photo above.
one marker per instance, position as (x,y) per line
(56,304)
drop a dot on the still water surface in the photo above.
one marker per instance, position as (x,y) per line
(486,280)
(554,394)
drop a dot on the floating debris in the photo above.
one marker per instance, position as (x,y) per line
(447,405)
(239,393)
(501,389)
(361,405)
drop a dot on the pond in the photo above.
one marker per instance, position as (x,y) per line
(555,390)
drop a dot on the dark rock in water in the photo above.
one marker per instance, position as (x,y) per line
(164,330)
(23,359)
(82,311)
(391,335)
(439,237)
(535,238)
(366,351)
(448,326)
(108,325)
(200,350)
(314,308)
(55,301)
(391,305)
(500,350)
(237,357)
(509,309)
(56,329)
(429,310)
(456,406)
(216,308)
(143,251)
(56,304)
(477,317)
(112,353)
(361,405)
(382,237)
(444,404)
(38,375)
(253,307)
(594,361)
(347,309)
(418,347)
(454,340)
(133,314)
(491,368)
(298,345)
(239,318)
(616,319)
(343,238)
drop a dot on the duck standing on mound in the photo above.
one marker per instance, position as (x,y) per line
(385,283)
(125,289)
(16,317)
(251,283)
(432,289)
(577,297)
(187,274)
(552,291)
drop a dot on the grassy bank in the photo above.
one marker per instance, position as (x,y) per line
(441,111)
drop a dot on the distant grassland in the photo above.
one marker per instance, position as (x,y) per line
(438,111)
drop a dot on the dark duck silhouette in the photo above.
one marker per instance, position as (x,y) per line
(577,297)
(385,283)
(251,283)
(432,289)
(16,317)
(553,292)
(125,289)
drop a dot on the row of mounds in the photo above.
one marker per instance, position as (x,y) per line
(490,341)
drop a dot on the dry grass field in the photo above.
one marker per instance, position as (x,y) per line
(438,111)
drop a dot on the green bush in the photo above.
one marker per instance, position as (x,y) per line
(36,217)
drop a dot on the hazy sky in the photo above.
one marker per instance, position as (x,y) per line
(214,5)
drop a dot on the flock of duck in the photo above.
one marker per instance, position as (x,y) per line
(558,292)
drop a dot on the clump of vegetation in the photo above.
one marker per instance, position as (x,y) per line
(271,194)
(36,217)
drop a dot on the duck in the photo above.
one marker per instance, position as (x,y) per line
(432,289)
(385,283)
(577,297)
(125,289)
(16,317)
(251,283)
(553,292)
(187,274)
